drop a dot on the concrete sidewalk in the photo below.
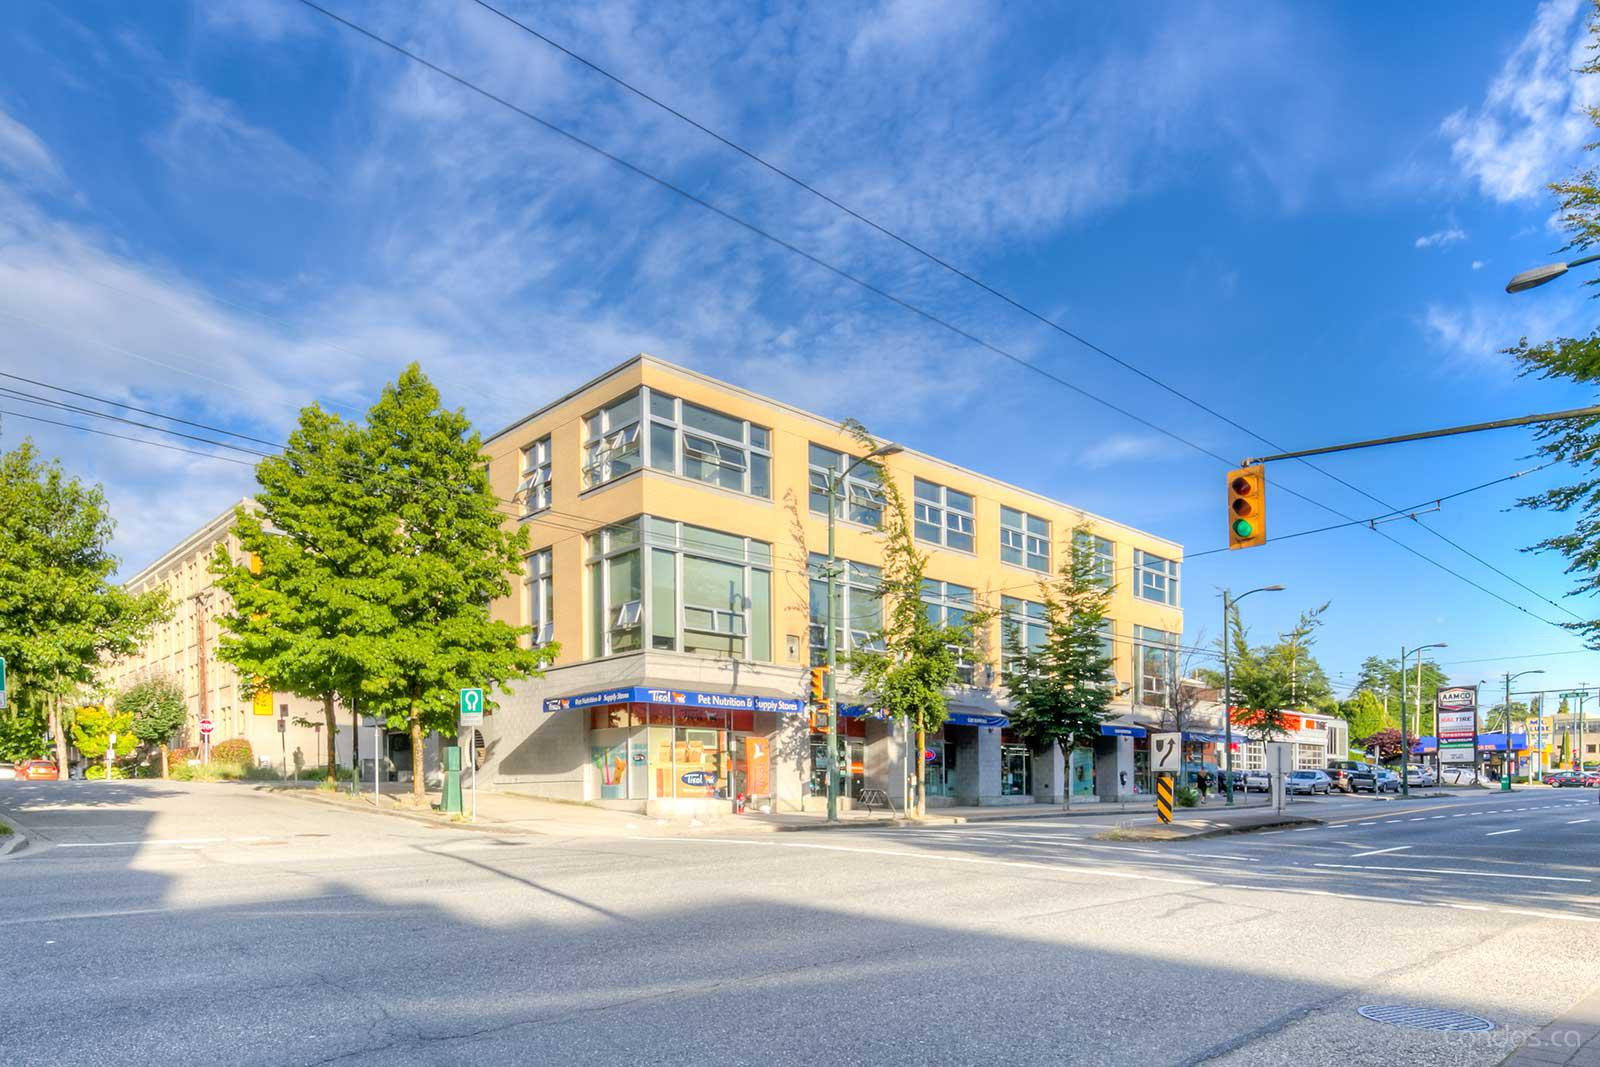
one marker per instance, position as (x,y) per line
(503,811)
(1572,1040)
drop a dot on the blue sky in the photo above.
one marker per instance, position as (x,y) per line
(1302,216)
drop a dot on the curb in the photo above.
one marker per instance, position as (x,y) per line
(412,816)
(1152,833)
(14,842)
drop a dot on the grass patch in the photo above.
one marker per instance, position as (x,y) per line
(4,828)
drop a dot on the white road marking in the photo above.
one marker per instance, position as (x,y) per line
(1381,851)
(149,841)
(1370,823)
(1497,833)
(1574,822)
(1448,870)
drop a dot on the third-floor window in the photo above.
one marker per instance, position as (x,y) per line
(650,428)
(1155,578)
(1024,539)
(534,488)
(943,516)
(858,496)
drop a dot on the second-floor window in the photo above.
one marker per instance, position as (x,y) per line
(534,488)
(673,586)
(1022,630)
(949,604)
(857,609)
(1024,540)
(943,516)
(541,601)
(1155,661)
(1155,578)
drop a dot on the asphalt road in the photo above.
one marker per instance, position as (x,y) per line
(216,924)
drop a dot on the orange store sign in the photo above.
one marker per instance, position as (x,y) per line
(757,766)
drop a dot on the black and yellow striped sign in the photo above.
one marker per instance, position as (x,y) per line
(1164,797)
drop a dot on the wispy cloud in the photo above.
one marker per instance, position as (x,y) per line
(1474,337)
(208,139)
(24,155)
(1123,448)
(1531,122)
(1442,238)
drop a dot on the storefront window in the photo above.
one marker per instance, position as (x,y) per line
(1080,772)
(1016,771)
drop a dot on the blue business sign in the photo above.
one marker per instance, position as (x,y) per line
(1114,730)
(699,778)
(682,698)
(962,718)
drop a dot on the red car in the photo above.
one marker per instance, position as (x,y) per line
(37,770)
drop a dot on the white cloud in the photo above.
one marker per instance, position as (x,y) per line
(1474,337)
(1442,238)
(208,139)
(1477,264)
(1123,448)
(24,155)
(1532,120)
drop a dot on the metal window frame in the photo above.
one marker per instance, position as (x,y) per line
(745,449)
(859,492)
(539,591)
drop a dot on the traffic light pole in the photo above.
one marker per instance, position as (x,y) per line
(1449,431)
(833,656)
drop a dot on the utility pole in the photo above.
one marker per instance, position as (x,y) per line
(1228,603)
(200,606)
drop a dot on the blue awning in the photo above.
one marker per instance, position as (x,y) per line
(1110,729)
(1199,735)
(1496,741)
(962,718)
(1424,745)
(638,694)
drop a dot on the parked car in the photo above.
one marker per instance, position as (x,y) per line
(7,772)
(1388,782)
(1308,782)
(1339,772)
(1421,776)
(1561,779)
(1589,777)
(1238,781)
(1257,780)
(37,770)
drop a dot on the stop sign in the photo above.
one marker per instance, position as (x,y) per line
(205,727)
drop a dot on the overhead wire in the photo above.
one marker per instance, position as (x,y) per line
(886,295)
(1002,296)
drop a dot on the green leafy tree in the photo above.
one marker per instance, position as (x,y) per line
(158,710)
(1061,691)
(1365,713)
(1261,686)
(910,661)
(1308,685)
(93,728)
(22,735)
(1575,442)
(60,614)
(421,497)
(301,593)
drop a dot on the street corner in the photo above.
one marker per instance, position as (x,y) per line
(12,839)
(1194,829)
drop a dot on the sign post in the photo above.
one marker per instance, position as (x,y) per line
(2,683)
(471,719)
(1456,719)
(1166,760)
(111,746)
(205,740)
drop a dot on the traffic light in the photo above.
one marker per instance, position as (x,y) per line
(1247,507)
(819,687)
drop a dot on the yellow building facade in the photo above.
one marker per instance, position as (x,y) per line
(185,648)
(679,529)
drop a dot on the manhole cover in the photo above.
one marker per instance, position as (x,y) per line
(1457,1022)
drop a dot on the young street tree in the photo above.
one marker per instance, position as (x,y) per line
(300,611)
(59,612)
(94,728)
(1061,690)
(911,660)
(1260,686)
(158,710)
(440,554)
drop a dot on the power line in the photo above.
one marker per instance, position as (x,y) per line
(886,295)
(123,437)
(142,411)
(18,394)
(995,292)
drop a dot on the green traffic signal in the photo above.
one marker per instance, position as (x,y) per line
(1242,528)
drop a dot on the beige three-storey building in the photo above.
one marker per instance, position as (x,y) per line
(679,531)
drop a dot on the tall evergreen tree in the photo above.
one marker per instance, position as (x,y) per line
(60,615)
(1061,691)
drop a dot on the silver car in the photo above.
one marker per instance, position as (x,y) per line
(1308,782)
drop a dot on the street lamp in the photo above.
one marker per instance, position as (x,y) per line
(1505,762)
(1227,685)
(1405,741)
(1532,279)
(835,479)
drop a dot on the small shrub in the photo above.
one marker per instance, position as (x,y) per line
(181,772)
(175,756)
(1186,796)
(97,772)
(261,773)
(317,774)
(234,751)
